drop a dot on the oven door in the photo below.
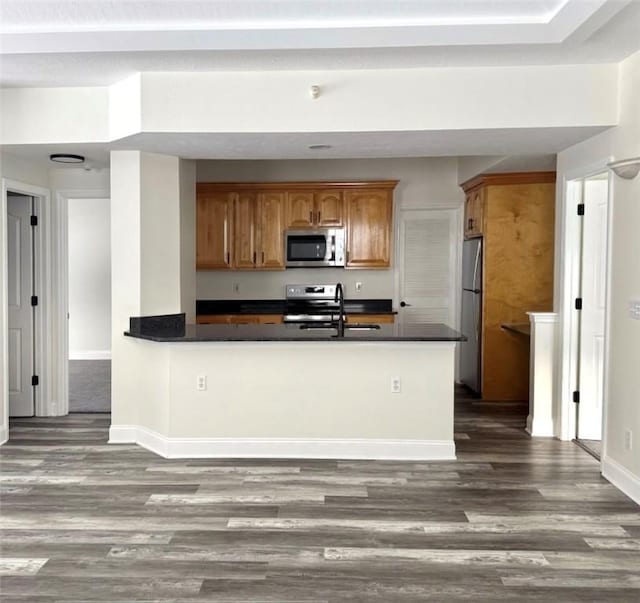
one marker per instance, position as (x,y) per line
(310,248)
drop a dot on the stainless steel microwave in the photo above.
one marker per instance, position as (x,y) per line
(314,248)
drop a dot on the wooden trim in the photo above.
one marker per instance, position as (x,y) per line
(509,178)
(234,186)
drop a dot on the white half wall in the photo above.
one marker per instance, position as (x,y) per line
(89,245)
(251,407)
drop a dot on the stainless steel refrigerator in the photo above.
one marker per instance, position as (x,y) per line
(471,324)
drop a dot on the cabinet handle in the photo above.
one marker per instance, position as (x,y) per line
(311,217)
(318,216)
(470,223)
(254,257)
(228,258)
(263,258)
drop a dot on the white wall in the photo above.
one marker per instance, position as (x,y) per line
(622,410)
(50,115)
(380,99)
(424,183)
(89,246)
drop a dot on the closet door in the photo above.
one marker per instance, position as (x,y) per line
(428,283)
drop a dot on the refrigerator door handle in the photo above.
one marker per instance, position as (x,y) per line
(476,322)
(475,267)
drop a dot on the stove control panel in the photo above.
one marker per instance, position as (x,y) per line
(310,291)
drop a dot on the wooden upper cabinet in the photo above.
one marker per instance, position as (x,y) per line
(214,214)
(369,217)
(270,245)
(314,209)
(329,208)
(241,226)
(245,251)
(473,213)
(300,209)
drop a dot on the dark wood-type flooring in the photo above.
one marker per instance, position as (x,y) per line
(513,519)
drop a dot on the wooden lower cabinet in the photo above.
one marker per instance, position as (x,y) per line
(517,273)
(239,319)
(376,319)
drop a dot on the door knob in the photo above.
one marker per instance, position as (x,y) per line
(404,304)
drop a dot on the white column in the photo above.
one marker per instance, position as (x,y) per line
(541,373)
(152,210)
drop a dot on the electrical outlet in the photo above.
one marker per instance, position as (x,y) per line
(634,309)
(396,385)
(201,383)
(628,439)
(358,286)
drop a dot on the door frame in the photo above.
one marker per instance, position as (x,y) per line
(43,332)
(568,281)
(62,278)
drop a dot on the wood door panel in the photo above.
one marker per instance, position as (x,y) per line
(368,228)
(329,208)
(271,230)
(300,209)
(213,231)
(245,253)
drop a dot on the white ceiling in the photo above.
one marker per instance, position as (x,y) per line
(98,42)
(540,143)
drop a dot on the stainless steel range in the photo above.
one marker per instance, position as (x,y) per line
(311,304)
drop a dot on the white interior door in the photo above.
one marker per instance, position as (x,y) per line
(428,267)
(592,315)
(20,263)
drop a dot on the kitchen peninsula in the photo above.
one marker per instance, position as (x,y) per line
(282,391)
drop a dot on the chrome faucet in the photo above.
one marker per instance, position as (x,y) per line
(339,296)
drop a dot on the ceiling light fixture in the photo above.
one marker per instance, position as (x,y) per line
(626,168)
(319,147)
(66,158)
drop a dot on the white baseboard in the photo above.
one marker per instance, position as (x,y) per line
(621,478)
(4,435)
(539,429)
(294,448)
(90,355)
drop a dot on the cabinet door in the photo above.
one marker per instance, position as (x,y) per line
(369,228)
(271,213)
(213,232)
(300,209)
(329,208)
(245,252)
(473,209)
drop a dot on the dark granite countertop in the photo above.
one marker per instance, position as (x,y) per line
(278,306)
(290,332)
